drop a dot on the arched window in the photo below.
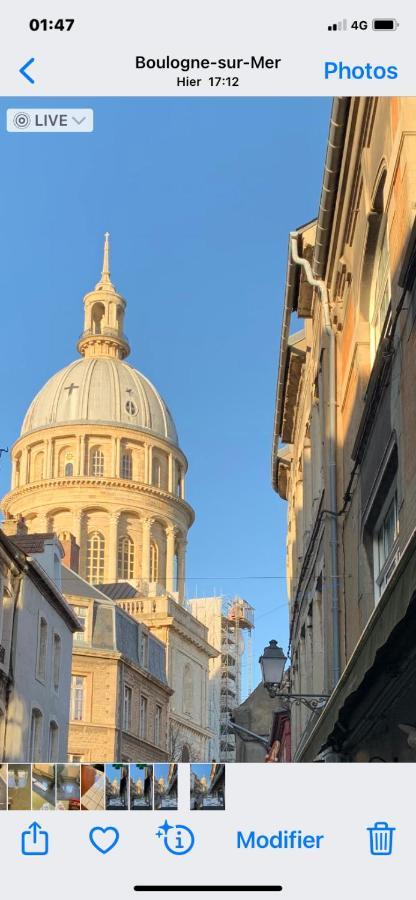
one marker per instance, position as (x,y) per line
(95,557)
(126,467)
(187,691)
(185,754)
(17,471)
(38,466)
(125,560)
(97,462)
(65,457)
(96,317)
(381,288)
(156,472)
(154,561)
(69,469)
(178,490)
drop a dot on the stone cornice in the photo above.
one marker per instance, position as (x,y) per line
(190,725)
(75,481)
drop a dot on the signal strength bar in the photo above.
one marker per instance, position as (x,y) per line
(338,26)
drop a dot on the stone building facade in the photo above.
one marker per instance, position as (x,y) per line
(119,692)
(343,451)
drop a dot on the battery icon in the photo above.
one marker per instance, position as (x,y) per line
(385,24)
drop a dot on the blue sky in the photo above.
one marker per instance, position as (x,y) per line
(199,197)
(202,771)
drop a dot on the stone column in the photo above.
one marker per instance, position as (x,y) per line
(145,464)
(181,568)
(146,532)
(170,558)
(183,483)
(77,525)
(48,458)
(113,548)
(171,488)
(24,467)
(149,464)
(81,455)
(117,458)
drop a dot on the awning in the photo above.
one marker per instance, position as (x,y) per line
(386,621)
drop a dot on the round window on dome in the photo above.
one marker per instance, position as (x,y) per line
(131,407)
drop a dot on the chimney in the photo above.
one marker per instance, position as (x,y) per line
(71,551)
(13,526)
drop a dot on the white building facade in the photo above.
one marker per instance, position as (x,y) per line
(36,632)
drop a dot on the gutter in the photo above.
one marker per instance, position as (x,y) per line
(335,148)
(292,281)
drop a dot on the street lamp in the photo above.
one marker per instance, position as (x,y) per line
(272,664)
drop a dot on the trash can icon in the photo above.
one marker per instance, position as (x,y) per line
(381,839)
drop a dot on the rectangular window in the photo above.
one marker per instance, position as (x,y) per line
(42,649)
(385,535)
(144,649)
(78,697)
(143,718)
(158,725)
(53,748)
(81,613)
(128,693)
(36,736)
(56,661)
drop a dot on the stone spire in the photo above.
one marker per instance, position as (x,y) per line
(104,312)
(105,273)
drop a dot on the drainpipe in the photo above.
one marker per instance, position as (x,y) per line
(323,293)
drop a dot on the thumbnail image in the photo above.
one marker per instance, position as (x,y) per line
(208,786)
(141,786)
(68,787)
(3,787)
(116,787)
(92,786)
(166,786)
(19,784)
(43,786)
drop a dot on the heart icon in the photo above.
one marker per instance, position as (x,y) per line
(104,839)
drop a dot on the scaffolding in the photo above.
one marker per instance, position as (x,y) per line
(237,623)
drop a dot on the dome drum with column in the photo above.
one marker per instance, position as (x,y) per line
(98,457)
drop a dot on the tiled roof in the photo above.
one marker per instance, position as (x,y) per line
(120,590)
(32,543)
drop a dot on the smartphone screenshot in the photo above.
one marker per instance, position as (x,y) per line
(207,449)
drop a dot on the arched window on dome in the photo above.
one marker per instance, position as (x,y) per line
(97,462)
(95,557)
(97,315)
(178,481)
(125,558)
(17,470)
(126,465)
(65,456)
(38,465)
(154,562)
(156,472)
(69,469)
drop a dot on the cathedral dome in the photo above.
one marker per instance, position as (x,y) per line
(100,390)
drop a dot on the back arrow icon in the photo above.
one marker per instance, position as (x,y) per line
(24,72)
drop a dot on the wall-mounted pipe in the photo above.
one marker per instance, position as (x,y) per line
(323,292)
